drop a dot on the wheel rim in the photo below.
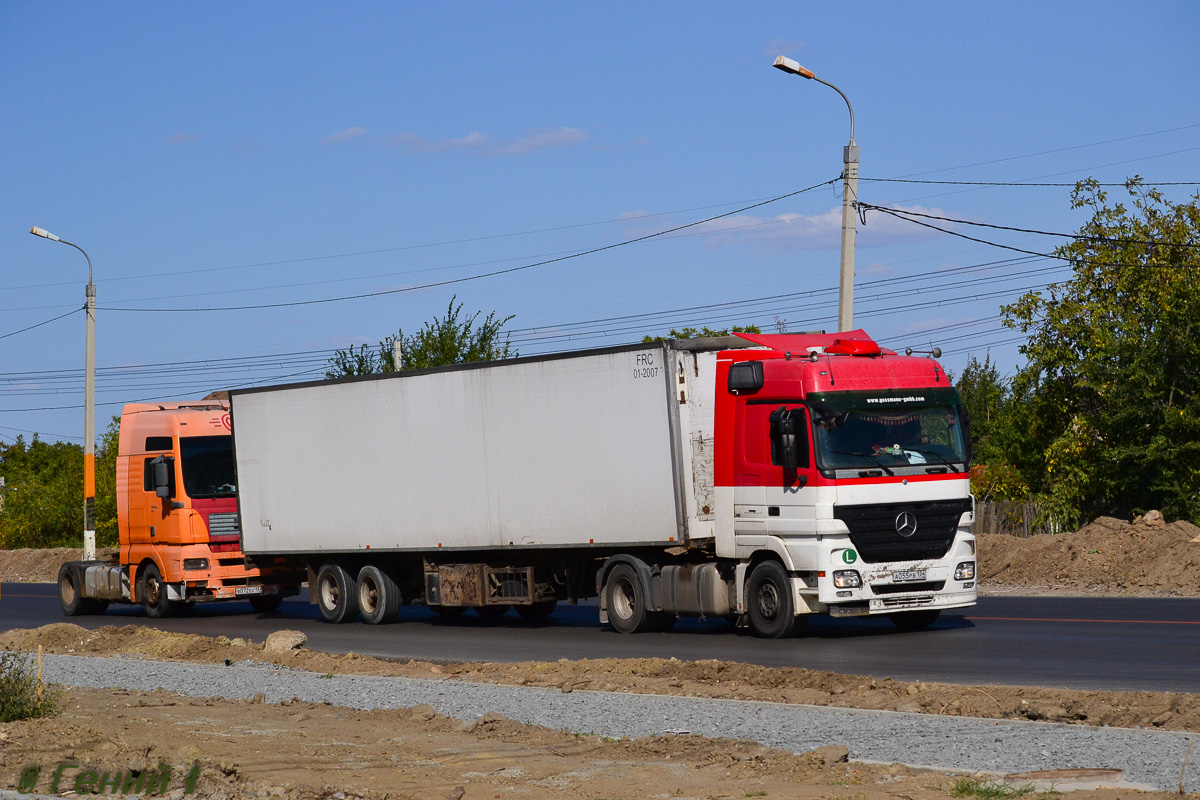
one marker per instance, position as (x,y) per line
(330,595)
(623,599)
(68,591)
(768,600)
(153,590)
(368,595)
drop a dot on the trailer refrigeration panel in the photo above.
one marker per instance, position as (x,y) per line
(540,452)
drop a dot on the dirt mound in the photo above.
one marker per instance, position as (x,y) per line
(1110,556)
(41,566)
(715,679)
(307,751)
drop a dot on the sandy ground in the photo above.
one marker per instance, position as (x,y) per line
(303,750)
(717,679)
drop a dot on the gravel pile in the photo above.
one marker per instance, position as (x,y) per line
(1152,758)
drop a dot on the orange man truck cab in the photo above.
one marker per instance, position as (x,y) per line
(177,515)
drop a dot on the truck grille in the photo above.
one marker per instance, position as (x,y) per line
(223,525)
(873,529)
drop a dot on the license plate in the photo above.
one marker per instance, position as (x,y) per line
(906,575)
(244,590)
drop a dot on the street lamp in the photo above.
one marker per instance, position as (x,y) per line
(849,199)
(89,407)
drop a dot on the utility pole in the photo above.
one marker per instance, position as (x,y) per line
(849,200)
(89,405)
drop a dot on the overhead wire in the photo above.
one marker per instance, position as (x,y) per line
(452,281)
(44,322)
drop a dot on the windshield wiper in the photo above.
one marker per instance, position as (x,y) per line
(872,459)
(938,456)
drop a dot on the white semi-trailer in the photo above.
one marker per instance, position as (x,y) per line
(760,479)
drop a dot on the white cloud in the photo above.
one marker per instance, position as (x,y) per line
(791,231)
(541,139)
(184,138)
(876,270)
(344,136)
(415,143)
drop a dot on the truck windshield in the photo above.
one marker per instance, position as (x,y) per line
(208,469)
(889,431)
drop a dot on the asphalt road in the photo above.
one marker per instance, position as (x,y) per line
(1081,643)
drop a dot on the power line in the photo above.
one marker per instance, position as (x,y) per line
(40,324)
(379,251)
(1055,150)
(494,273)
(1107,239)
(899,215)
(1023,183)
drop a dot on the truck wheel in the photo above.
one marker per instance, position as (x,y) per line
(336,595)
(378,595)
(769,601)
(626,603)
(70,598)
(915,620)
(266,603)
(539,610)
(153,592)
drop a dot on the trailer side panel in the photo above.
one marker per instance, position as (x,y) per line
(570,451)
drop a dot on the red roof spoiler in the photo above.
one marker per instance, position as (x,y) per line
(848,342)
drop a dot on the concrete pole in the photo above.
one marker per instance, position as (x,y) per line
(849,231)
(89,428)
(89,404)
(397,354)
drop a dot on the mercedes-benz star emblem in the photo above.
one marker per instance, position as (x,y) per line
(906,523)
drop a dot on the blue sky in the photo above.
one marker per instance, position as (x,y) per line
(220,154)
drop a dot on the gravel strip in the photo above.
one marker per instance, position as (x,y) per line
(959,743)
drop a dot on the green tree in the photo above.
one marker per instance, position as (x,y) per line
(985,394)
(1108,404)
(43,494)
(696,333)
(451,339)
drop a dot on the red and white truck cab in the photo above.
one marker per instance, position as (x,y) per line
(850,463)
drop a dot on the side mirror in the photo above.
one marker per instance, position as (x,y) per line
(163,472)
(745,377)
(788,445)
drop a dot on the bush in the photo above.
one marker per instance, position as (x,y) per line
(19,690)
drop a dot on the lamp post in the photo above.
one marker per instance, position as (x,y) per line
(849,199)
(89,407)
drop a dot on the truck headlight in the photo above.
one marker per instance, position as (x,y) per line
(965,571)
(195,564)
(847,579)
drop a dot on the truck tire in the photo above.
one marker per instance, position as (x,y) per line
(266,603)
(627,603)
(539,610)
(915,620)
(336,595)
(71,599)
(379,598)
(769,601)
(153,593)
